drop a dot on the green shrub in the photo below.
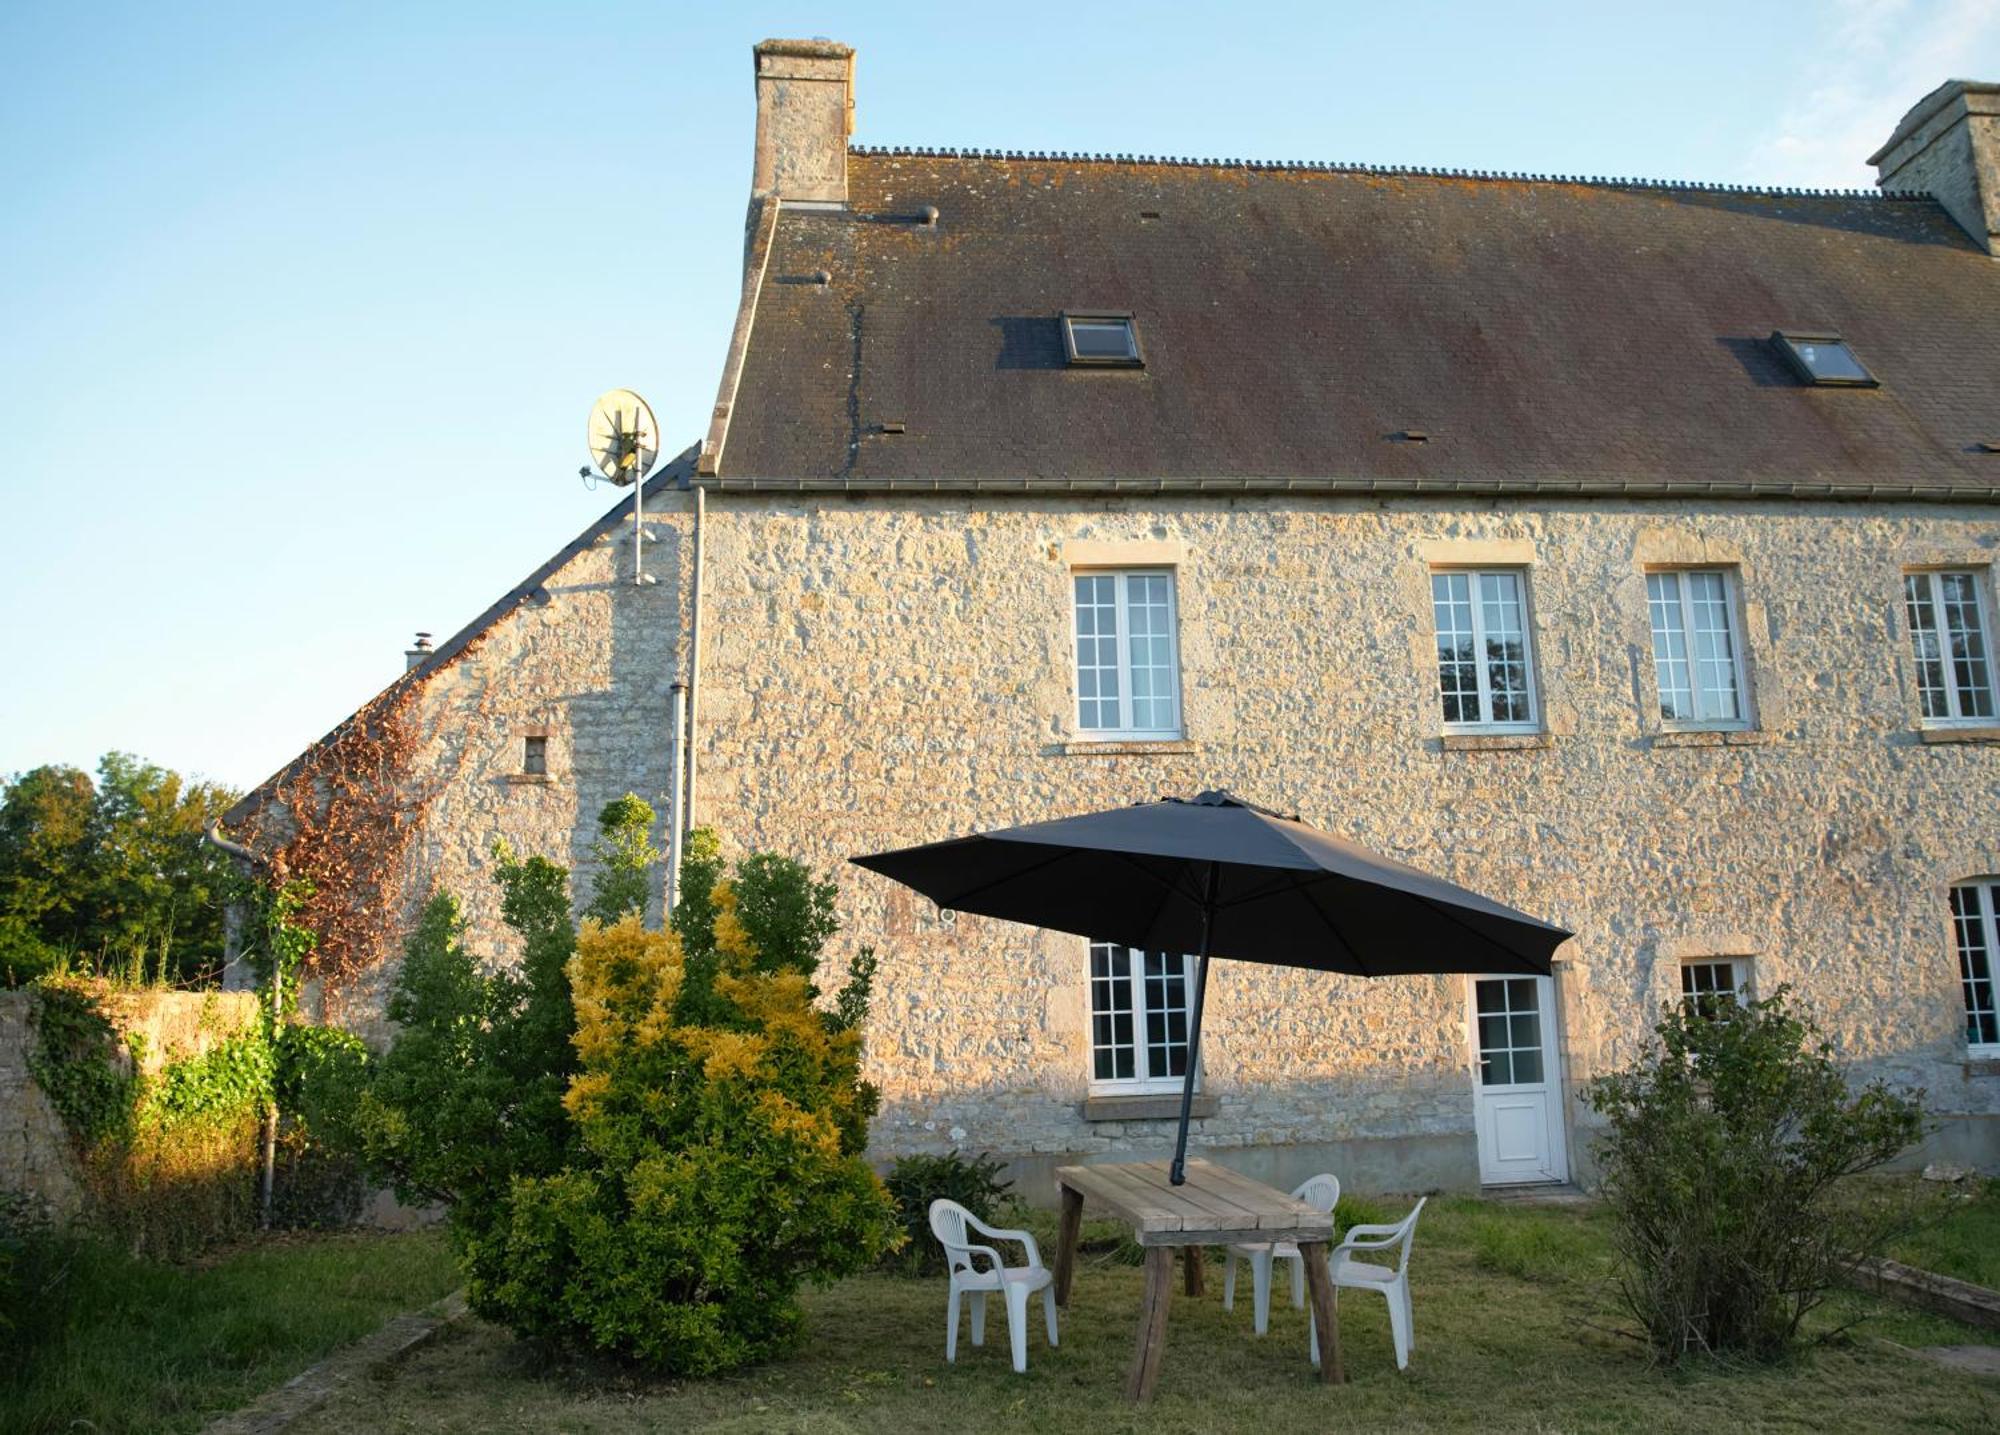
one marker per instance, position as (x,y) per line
(624,1179)
(916,1181)
(1723,1158)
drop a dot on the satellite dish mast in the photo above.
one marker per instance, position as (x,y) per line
(624,443)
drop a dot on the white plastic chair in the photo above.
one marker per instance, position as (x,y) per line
(949,1223)
(1393,1283)
(1322,1193)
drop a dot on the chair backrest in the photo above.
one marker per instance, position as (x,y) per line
(948,1225)
(1406,1231)
(1321,1192)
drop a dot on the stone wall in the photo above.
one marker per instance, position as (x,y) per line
(36,1155)
(880,671)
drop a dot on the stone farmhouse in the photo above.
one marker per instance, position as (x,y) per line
(1623,549)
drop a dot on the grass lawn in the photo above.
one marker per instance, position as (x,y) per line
(153,1347)
(1964,1243)
(1511,1305)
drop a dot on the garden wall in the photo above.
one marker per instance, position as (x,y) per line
(36,1152)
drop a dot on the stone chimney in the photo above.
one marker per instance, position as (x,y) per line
(1949,144)
(418,653)
(805,112)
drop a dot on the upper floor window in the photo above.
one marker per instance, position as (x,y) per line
(1138,1019)
(1127,664)
(1485,667)
(535,756)
(1948,629)
(1973,909)
(1697,656)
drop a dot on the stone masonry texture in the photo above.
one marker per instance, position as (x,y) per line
(880,671)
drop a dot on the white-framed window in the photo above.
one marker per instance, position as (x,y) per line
(1697,650)
(1485,657)
(1948,630)
(1708,982)
(1138,1018)
(1975,929)
(1128,680)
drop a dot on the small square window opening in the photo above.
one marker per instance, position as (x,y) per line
(1104,339)
(1823,359)
(1706,985)
(535,756)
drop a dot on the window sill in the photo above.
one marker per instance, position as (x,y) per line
(1711,737)
(1496,741)
(1982,733)
(529,779)
(1144,1108)
(1121,747)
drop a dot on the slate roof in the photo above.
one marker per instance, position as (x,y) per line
(1547,335)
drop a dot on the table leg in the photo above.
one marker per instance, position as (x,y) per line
(1152,1324)
(1194,1266)
(1326,1311)
(1072,1226)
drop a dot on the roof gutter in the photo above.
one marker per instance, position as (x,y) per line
(1390,487)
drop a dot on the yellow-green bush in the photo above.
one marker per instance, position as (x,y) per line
(702,1156)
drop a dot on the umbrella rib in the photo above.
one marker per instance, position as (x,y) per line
(1446,912)
(1312,899)
(1276,884)
(1028,871)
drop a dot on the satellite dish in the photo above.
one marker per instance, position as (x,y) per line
(624,438)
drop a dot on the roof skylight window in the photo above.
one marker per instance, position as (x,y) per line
(1103,338)
(1823,359)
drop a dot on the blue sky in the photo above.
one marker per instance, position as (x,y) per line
(302,307)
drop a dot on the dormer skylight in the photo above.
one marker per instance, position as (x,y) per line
(1823,359)
(1102,339)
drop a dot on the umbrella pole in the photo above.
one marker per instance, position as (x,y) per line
(1177,1173)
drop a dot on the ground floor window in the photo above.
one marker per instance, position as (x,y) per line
(1707,983)
(1138,1018)
(1975,909)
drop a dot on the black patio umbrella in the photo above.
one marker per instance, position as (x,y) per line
(1221,877)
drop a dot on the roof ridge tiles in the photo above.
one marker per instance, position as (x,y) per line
(1389,170)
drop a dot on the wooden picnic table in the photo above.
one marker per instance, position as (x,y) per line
(1216,1206)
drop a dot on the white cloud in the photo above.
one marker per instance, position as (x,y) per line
(1874,60)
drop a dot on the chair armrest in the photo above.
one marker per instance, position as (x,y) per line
(1024,1237)
(1365,1243)
(986,1251)
(1365,1230)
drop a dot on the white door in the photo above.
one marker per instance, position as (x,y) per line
(1517,1091)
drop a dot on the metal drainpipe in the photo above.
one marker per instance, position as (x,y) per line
(676,785)
(694,656)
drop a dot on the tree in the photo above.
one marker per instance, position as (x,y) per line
(113,875)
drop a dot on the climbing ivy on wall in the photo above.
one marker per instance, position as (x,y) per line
(338,823)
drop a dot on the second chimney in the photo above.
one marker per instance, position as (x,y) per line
(805,112)
(1949,144)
